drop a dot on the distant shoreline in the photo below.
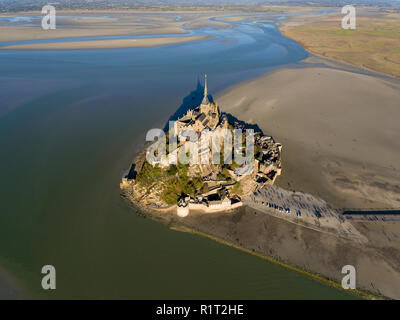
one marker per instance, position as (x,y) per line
(106,44)
(371,46)
(335,59)
(130,30)
(210,9)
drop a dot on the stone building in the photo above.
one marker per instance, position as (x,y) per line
(205,116)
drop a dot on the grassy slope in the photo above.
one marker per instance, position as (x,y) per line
(374,44)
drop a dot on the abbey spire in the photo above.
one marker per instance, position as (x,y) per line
(205,85)
(205,99)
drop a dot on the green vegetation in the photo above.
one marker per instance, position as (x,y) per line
(232,166)
(177,186)
(374,43)
(148,174)
(237,188)
(173,181)
(257,151)
(224,175)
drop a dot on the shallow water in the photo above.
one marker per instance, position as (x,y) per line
(71,121)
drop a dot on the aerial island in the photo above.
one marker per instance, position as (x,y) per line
(205,185)
(243,204)
(329,198)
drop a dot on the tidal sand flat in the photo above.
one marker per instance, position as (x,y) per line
(76,24)
(341,144)
(74,27)
(106,44)
(314,252)
(339,131)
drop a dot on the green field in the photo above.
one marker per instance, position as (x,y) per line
(374,44)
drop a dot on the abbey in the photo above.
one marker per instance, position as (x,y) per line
(206,116)
(204,181)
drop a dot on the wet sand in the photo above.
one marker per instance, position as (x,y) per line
(317,252)
(340,143)
(72,24)
(339,132)
(105,44)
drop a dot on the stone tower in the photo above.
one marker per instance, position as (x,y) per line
(205,98)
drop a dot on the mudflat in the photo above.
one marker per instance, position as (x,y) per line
(71,24)
(318,252)
(339,132)
(341,144)
(106,44)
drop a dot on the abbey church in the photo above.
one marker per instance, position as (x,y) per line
(206,116)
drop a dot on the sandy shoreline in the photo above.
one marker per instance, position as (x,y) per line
(338,130)
(72,25)
(106,44)
(243,229)
(340,143)
(317,253)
